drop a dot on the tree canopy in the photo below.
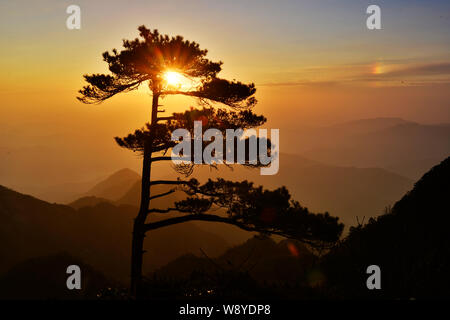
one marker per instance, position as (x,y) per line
(147,58)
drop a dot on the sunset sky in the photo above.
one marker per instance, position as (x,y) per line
(313,62)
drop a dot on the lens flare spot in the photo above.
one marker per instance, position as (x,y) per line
(378,68)
(293,249)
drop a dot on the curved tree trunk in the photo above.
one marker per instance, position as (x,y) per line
(137,244)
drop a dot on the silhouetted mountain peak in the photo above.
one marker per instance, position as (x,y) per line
(124,173)
(410,244)
(116,185)
(429,193)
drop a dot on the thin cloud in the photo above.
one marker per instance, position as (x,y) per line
(379,72)
(300,83)
(421,70)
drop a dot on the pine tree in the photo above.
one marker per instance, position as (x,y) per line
(226,105)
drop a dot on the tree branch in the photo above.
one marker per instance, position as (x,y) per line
(154,159)
(214,218)
(162,210)
(165,118)
(162,194)
(162,147)
(177,182)
(186,93)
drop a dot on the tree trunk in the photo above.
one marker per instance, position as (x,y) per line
(137,251)
(137,244)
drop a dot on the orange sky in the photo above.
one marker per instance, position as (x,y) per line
(313,64)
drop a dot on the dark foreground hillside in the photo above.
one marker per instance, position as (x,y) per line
(45,278)
(100,235)
(411,245)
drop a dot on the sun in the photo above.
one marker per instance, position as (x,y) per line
(173,78)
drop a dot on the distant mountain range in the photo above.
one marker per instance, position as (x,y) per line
(401,146)
(346,192)
(359,168)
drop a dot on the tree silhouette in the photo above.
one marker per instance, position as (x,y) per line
(226,105)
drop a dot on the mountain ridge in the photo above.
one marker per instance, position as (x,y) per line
(100,235)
